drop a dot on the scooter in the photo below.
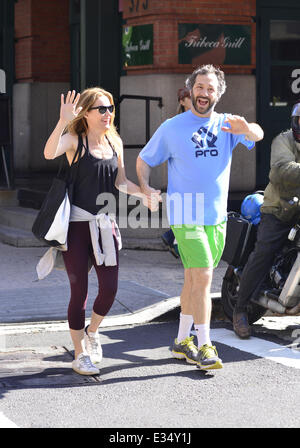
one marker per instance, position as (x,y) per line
(280,292)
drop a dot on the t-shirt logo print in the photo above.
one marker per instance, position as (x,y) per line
(205,143)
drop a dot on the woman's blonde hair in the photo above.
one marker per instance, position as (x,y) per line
(79,125)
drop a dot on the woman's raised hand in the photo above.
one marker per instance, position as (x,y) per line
(68,107)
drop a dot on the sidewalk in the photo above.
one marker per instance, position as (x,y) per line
(36,350)
(150,283)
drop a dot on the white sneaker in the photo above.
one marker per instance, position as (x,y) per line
(84,366)
(93,346)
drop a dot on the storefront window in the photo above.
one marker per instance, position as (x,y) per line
(285,57)
(285,85)
(285,40)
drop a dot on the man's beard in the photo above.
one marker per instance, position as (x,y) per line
(205,109)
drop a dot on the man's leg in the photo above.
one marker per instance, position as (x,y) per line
(169,240)
(195,248)
(271,236)
(201,308)
(183,346)
(195,304)
(186,315)
(200,301)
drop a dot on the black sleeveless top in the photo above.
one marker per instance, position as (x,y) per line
(95,176)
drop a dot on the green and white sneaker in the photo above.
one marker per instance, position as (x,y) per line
(208,359)
(185,349)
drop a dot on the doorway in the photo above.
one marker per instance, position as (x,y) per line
(278,74)
(95,34)
(6,89)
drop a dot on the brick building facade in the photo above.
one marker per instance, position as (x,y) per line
(42,41)
(167,73)
(60,44)
(165,17)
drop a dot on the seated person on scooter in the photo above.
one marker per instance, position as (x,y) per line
(278,216)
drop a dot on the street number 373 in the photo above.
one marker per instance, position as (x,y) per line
(135,5)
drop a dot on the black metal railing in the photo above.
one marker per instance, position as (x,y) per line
(147,99)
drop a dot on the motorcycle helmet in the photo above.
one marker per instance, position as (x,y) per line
(250,207)
(295,122)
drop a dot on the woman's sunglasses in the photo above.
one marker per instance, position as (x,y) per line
(102,109)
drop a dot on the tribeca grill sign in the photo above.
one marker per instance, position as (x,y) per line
(226,43)
(214,43)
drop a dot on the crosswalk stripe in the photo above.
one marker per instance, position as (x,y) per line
(259,347)
(5,422)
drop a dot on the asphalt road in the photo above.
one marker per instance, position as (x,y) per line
(141,386)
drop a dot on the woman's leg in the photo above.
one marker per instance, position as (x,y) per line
(96,320)
(108,284)
(76,262)
(108,287)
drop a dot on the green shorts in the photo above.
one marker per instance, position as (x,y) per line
(200,246)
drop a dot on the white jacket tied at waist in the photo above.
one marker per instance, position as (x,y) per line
(53,257)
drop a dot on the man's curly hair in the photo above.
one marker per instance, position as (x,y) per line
(206,70)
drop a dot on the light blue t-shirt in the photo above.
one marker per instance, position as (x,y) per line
(199,157)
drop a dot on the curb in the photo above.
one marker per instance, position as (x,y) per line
(142,316)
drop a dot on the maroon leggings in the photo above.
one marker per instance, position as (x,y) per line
(76,260)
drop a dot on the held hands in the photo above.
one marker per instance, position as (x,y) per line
(151,198)
(237,125)
(68,108)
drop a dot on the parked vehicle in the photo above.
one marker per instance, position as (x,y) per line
(280,291)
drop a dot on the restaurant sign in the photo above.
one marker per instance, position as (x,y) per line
(137,45)
(214,44)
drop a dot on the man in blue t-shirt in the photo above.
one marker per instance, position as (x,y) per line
(198,146)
